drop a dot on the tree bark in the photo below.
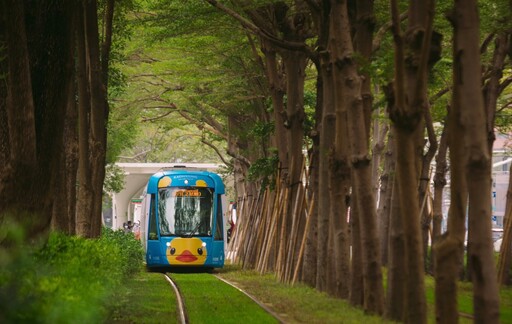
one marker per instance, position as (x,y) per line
(424,184)
(64,208)
(439,184)
(380,132)
(351,82)
(85,189)
(277,92)
(397,262)
(505,258)
(386,193)
(448,250)
(356,293)
(410,95)
(478,161)
(310,249)
(39,64)
(94,113)
(327,132)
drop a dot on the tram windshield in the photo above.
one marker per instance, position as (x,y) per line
(185,211)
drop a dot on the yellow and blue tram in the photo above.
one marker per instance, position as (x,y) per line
(183,220)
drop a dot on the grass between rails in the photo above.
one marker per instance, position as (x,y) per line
(146,298)
(209,300)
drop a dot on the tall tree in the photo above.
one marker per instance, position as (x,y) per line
(411,64)
(347,76)
(327,130)
(478,162)
(93,116)
(38,39)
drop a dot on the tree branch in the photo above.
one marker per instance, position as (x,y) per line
(240,158)
(294,46)
(379,36)
(157,117)
(217,151)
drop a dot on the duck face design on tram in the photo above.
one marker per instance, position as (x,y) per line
(185,224)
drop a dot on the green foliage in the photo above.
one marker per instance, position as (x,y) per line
(114,179)
(309,110)
(262,129)
(67,279)
(123,123)
(130,250)
(188,65)
(264,169)
(123,129)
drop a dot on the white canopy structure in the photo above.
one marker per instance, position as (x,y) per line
(136,178)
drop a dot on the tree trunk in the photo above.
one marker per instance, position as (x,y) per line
(410,97)
(295,63)
(397,261)
(309,264)
(327,132)
(39,64)
(380,132)
(99,111)
(347,76)
(93,118)
(478,161)
(424,184)
(275,80)
(356,293)
(387,181)
(505,259)
(439,184)
(85,189)
(448,249)
(64,208)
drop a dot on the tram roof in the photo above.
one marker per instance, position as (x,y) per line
(182,172)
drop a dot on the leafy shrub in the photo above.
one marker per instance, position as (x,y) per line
(130,250)
(66,280)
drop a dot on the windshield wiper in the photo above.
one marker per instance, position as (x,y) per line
(191,233)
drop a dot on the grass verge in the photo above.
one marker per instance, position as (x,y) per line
(146,298)
(465,299)
(297,304)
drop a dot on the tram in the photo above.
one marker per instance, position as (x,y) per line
(183,222)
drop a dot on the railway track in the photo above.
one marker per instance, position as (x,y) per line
(180,305)
(183,316)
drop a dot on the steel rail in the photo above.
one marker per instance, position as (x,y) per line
(180,305)
(265,307)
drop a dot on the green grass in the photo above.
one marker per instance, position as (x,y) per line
(297,304)
(209,300)
(465,300)
(146,298)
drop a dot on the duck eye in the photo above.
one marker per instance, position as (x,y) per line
(173,250)
(200,251)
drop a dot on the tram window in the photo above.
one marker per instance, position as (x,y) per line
(152,220)
(185,211)
(219,231)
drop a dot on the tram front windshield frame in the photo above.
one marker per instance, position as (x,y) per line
(185,211)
